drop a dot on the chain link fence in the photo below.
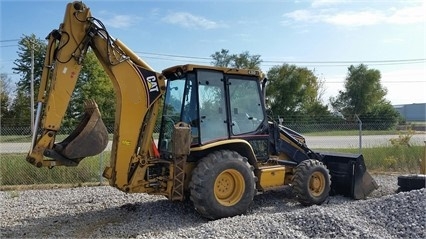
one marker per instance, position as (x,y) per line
(15,143)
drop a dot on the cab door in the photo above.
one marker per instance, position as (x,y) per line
(212,106)
(246,108)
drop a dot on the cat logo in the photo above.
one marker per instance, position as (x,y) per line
(152,83)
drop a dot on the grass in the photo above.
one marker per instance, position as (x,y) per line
(15,170)
(354,132)
(15,138)
(27,138)
(401,159)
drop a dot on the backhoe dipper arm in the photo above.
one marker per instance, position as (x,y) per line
(137,89)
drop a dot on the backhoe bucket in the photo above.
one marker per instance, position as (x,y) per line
(349,176)
(88,139)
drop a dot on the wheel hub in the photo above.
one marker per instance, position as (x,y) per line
(317,184)
(229,187)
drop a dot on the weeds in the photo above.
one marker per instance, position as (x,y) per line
(13,194)
(403,157)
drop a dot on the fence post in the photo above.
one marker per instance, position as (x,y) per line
(360,133)
(100,167)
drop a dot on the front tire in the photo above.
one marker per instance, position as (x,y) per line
(222,185)
(311,182)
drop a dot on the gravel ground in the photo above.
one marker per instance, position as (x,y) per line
(100,212)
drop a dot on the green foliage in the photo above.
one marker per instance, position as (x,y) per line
(364,96)
(20,110)
(93,83)
(388,159)
(13,194)
(243,60)
(4,97)
(17,111)
(294,92)
(381,117)
(222,58)
(362,91)
(23,63)
(390,162)
(403,139)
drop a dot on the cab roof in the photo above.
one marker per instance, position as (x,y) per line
(175,71)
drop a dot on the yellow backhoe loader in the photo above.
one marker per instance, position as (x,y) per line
(216,145)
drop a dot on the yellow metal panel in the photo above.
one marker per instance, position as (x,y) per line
(272,176)
(190,67)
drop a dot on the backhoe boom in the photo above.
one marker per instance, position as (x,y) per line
(137,87)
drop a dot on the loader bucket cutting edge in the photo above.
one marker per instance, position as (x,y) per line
(88,139)
(349,176)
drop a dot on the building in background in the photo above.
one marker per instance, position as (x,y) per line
(412,112)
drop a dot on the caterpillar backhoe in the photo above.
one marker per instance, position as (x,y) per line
(216,145)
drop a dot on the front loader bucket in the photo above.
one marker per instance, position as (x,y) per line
(88,139)
(349,176)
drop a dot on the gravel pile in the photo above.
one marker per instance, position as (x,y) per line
(100,212)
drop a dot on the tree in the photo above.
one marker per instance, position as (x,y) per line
(20,108)
(364,96)
(23,63)
(93,82)
(221,58)
(5,98)
(362,91)
(245,60)
(20,113)
(294,92)
(240,61)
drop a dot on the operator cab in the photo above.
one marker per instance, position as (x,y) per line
(218,103)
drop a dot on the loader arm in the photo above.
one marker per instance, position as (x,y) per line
(137,88)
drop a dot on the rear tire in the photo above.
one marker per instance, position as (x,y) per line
(222,185)
(411,182)
(311,182)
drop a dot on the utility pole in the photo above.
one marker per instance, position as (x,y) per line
(32,87)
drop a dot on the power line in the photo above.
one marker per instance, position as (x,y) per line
(175,56)
(398,61)
(10,40)
(9,45)
(345,65)
(339,62)
(342,63)
(416,60)
(384,82)
(169,59)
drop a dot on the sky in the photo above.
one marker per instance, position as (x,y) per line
(326,36)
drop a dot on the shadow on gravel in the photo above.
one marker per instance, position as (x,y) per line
(127,220)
